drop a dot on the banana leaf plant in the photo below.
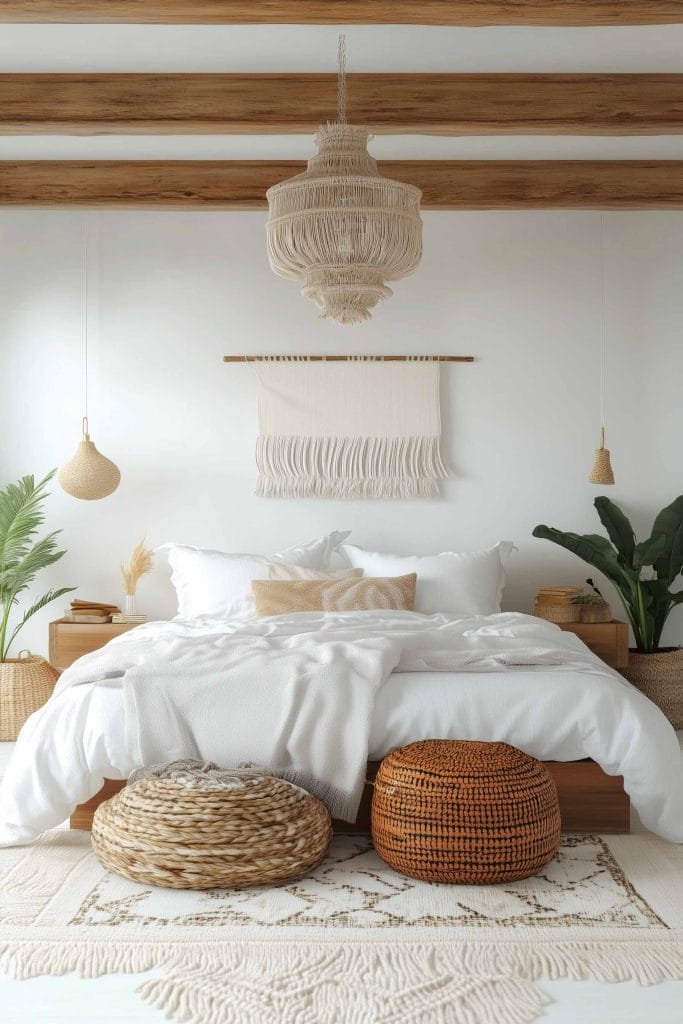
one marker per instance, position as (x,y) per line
(21,555)
(642,572)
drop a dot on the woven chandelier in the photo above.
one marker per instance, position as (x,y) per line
(340,227)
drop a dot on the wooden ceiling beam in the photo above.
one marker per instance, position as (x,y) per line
(446,185)
(430,104)
(353,12)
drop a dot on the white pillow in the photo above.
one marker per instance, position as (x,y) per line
(459,583)
(284,571)
(219,584)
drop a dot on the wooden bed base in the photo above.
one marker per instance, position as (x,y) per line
(590,800)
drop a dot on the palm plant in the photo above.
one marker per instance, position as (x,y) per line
(642,573)
(21,555)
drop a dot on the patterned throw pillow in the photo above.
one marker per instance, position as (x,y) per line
(281,597)
(286,571)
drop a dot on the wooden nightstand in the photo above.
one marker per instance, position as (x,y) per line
(609,640)
(70,640)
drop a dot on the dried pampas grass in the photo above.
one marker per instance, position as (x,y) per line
(140,564)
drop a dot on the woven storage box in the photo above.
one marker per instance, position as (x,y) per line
(558,612)
(596,612)
(660,677)
(161,832)
(464,812)
(25,685)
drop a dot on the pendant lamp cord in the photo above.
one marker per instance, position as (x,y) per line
(341,78)
(602,330)
(85,320)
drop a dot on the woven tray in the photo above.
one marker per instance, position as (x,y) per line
(558,612)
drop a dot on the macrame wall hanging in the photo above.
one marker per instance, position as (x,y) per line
(353,428)
(340,227)
(88,474)
(602,467)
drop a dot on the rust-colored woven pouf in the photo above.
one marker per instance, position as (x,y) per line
(464,812)
(161,832)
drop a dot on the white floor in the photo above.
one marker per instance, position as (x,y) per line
(112,999)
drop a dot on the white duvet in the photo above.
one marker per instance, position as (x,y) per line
(321,693)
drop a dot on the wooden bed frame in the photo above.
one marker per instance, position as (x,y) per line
(590,800)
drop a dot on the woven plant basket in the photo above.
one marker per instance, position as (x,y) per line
(25,684)
(558,612)
(660,677)
(464,812)
(596,612)
(161,832)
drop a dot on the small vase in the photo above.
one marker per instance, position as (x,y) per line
(130,604)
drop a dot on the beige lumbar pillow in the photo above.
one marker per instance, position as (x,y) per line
(281,597)
(285,571)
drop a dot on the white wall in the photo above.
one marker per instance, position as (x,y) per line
(518,290)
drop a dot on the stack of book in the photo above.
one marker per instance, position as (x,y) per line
(558,604)
(131,617)
(90,611)
(557,595)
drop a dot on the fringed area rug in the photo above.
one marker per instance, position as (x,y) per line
(352,942)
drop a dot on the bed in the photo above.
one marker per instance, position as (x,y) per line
(323,694)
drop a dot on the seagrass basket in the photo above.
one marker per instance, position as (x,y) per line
(25,684)
(659,676)
(558,613)
(161,832)
(464,812)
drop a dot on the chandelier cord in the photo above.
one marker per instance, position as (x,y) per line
(341,78)
(602,327)
(85,320)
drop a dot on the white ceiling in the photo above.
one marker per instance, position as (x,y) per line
(215,48)
(313,48)
(300,147)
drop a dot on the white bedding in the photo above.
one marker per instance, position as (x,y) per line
(568,706)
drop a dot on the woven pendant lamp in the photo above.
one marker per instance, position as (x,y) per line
(88,474)
(341,228)
(602,472)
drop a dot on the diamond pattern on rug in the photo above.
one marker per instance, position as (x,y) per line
(582,885)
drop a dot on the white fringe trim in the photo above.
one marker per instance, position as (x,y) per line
(451,981)
(349,467)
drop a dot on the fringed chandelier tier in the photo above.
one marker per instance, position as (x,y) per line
(340,227)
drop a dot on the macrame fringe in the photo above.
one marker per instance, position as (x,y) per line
(349,467)
(261,982)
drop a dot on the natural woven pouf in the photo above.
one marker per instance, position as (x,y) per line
(261,830)
(464,812)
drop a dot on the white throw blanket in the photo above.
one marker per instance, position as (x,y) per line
(297,692)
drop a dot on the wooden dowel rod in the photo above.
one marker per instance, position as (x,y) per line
(348,359)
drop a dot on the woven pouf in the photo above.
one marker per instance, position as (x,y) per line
(464,812)
(161,832)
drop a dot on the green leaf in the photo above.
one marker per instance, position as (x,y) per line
(21,555)
(592,548)
(619,529)
(51,595)
(648,551)
(669,524)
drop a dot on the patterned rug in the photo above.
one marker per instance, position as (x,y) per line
(353,941)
